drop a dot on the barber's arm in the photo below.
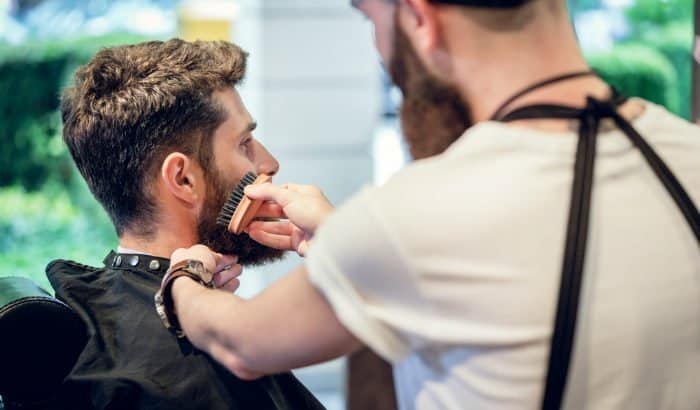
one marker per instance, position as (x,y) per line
(287,326)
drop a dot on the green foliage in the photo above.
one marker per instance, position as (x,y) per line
(662,25)
(674,41)
(666,25)
(29,121)
(581,5)
(47,211)
(38,227)
(639,70)
(31,77)
(644,14)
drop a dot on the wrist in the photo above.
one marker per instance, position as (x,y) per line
(182,290)
(325,213)
(165,299)
(321,216)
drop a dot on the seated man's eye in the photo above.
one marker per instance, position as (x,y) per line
(246,144)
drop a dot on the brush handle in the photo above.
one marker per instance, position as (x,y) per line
(246,210)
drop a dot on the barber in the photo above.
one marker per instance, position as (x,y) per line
(543,250)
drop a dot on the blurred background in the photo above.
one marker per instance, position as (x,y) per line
(324,105)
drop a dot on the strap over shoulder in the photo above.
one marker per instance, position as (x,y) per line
(590,116)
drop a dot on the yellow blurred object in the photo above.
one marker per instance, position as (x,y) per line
(194,29)
(207,20)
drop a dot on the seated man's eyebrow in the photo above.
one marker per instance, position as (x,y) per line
(250,128)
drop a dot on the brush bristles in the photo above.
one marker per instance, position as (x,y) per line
(234,199)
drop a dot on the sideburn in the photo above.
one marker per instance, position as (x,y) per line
(433,115)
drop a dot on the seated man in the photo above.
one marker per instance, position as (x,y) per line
(161,136)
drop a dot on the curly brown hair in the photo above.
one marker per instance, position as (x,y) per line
(131,106)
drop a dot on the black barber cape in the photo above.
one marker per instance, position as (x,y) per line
(132,362)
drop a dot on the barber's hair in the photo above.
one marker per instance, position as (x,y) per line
(131,106)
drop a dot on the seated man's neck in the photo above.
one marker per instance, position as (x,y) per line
(163,243)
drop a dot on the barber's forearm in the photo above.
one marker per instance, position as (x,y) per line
(208,319)
(287,326)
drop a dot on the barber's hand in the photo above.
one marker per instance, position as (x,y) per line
(303,206)
(225,267)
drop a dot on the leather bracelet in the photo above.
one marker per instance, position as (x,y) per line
(165,307)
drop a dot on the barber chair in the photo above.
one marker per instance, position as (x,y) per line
(40,341)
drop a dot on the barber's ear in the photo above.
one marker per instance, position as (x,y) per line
(182,177)
(421,23)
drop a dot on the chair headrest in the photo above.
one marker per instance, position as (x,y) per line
(41,340)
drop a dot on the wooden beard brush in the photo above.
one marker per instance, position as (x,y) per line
(240,210)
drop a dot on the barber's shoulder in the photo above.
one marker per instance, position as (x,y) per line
(656,119)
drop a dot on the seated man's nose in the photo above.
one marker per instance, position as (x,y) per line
(269,166)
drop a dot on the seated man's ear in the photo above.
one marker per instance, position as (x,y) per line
(183,178)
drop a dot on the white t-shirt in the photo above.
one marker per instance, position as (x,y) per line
(451,271)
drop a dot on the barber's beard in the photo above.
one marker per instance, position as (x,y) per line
(433,115)
(218,238)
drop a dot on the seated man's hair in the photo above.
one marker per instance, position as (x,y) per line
(130,106)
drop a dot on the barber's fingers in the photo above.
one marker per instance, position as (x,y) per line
(270,210)
(272,227)
(212,261)
(223,261)
(282,194)
(275,234)
(197,252)
(269,192)
(303,189)
(277,241)
(226,272)
(303,248)
(227,278)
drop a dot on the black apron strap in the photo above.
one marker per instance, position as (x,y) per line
(670,182)
(579,212)
(560,78)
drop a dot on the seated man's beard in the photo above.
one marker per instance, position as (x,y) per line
(219,239)
(433,115)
